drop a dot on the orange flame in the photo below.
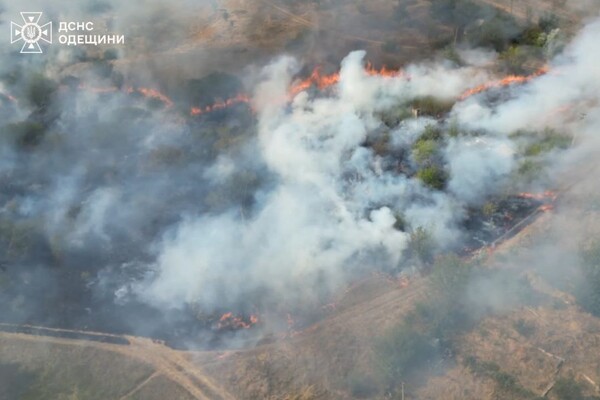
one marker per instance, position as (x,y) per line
(316,79)
(146,92)
(152,94)
(10,97)
(230,321)
(240,98)
(548,195)
(506,81)
(322,82)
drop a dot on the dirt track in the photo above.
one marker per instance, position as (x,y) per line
(167,362)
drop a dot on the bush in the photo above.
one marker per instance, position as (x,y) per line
(421,245)
(433,176)
(568,389)
(549,140)
(489,209)
(432,106)
(431,132)
(524,328)
(400,223)
(533,36)
(401,350)
(426,147)
(362,386)
(548,22)
(394,116)
(513,60)
(495,33)
(25,134)
(588,294)
(450,276)
(530,170)
(507,384)
(445,314)
(217,85)
(424,151)
(41,91)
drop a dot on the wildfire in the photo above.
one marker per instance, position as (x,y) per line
(548,195)
(383,71)
(322,82)
(506,81)
(146,92)
(548,198)
(152,94)
(224,355)
(9,97)
(240,98)
(232,322)
(316,79)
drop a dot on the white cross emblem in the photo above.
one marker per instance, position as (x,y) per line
(31,32)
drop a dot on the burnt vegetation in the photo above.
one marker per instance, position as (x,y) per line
(32,256)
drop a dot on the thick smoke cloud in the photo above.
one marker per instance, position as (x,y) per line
(134,201)
(317,219)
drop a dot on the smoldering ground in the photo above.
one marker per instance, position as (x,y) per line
(124,213)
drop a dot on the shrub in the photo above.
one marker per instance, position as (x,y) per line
(401,350)
(525,328)
(394,116)
(548,22)
(530,170)
(513,60)
(507,384)
(433,176)
(217,85)
(450,276)
(445,314)
(41,91)
(453,129)
(429,105)
(550,140)
(400,223)
(424,151)
(588,294)
(568,389)
(26,134)
(421,245)
(533,36)
(362,386)
(489,208)
(431,132)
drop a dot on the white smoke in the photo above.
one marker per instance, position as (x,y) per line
(333,205)
(572,83)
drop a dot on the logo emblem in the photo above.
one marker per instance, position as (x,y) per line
(31,32)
